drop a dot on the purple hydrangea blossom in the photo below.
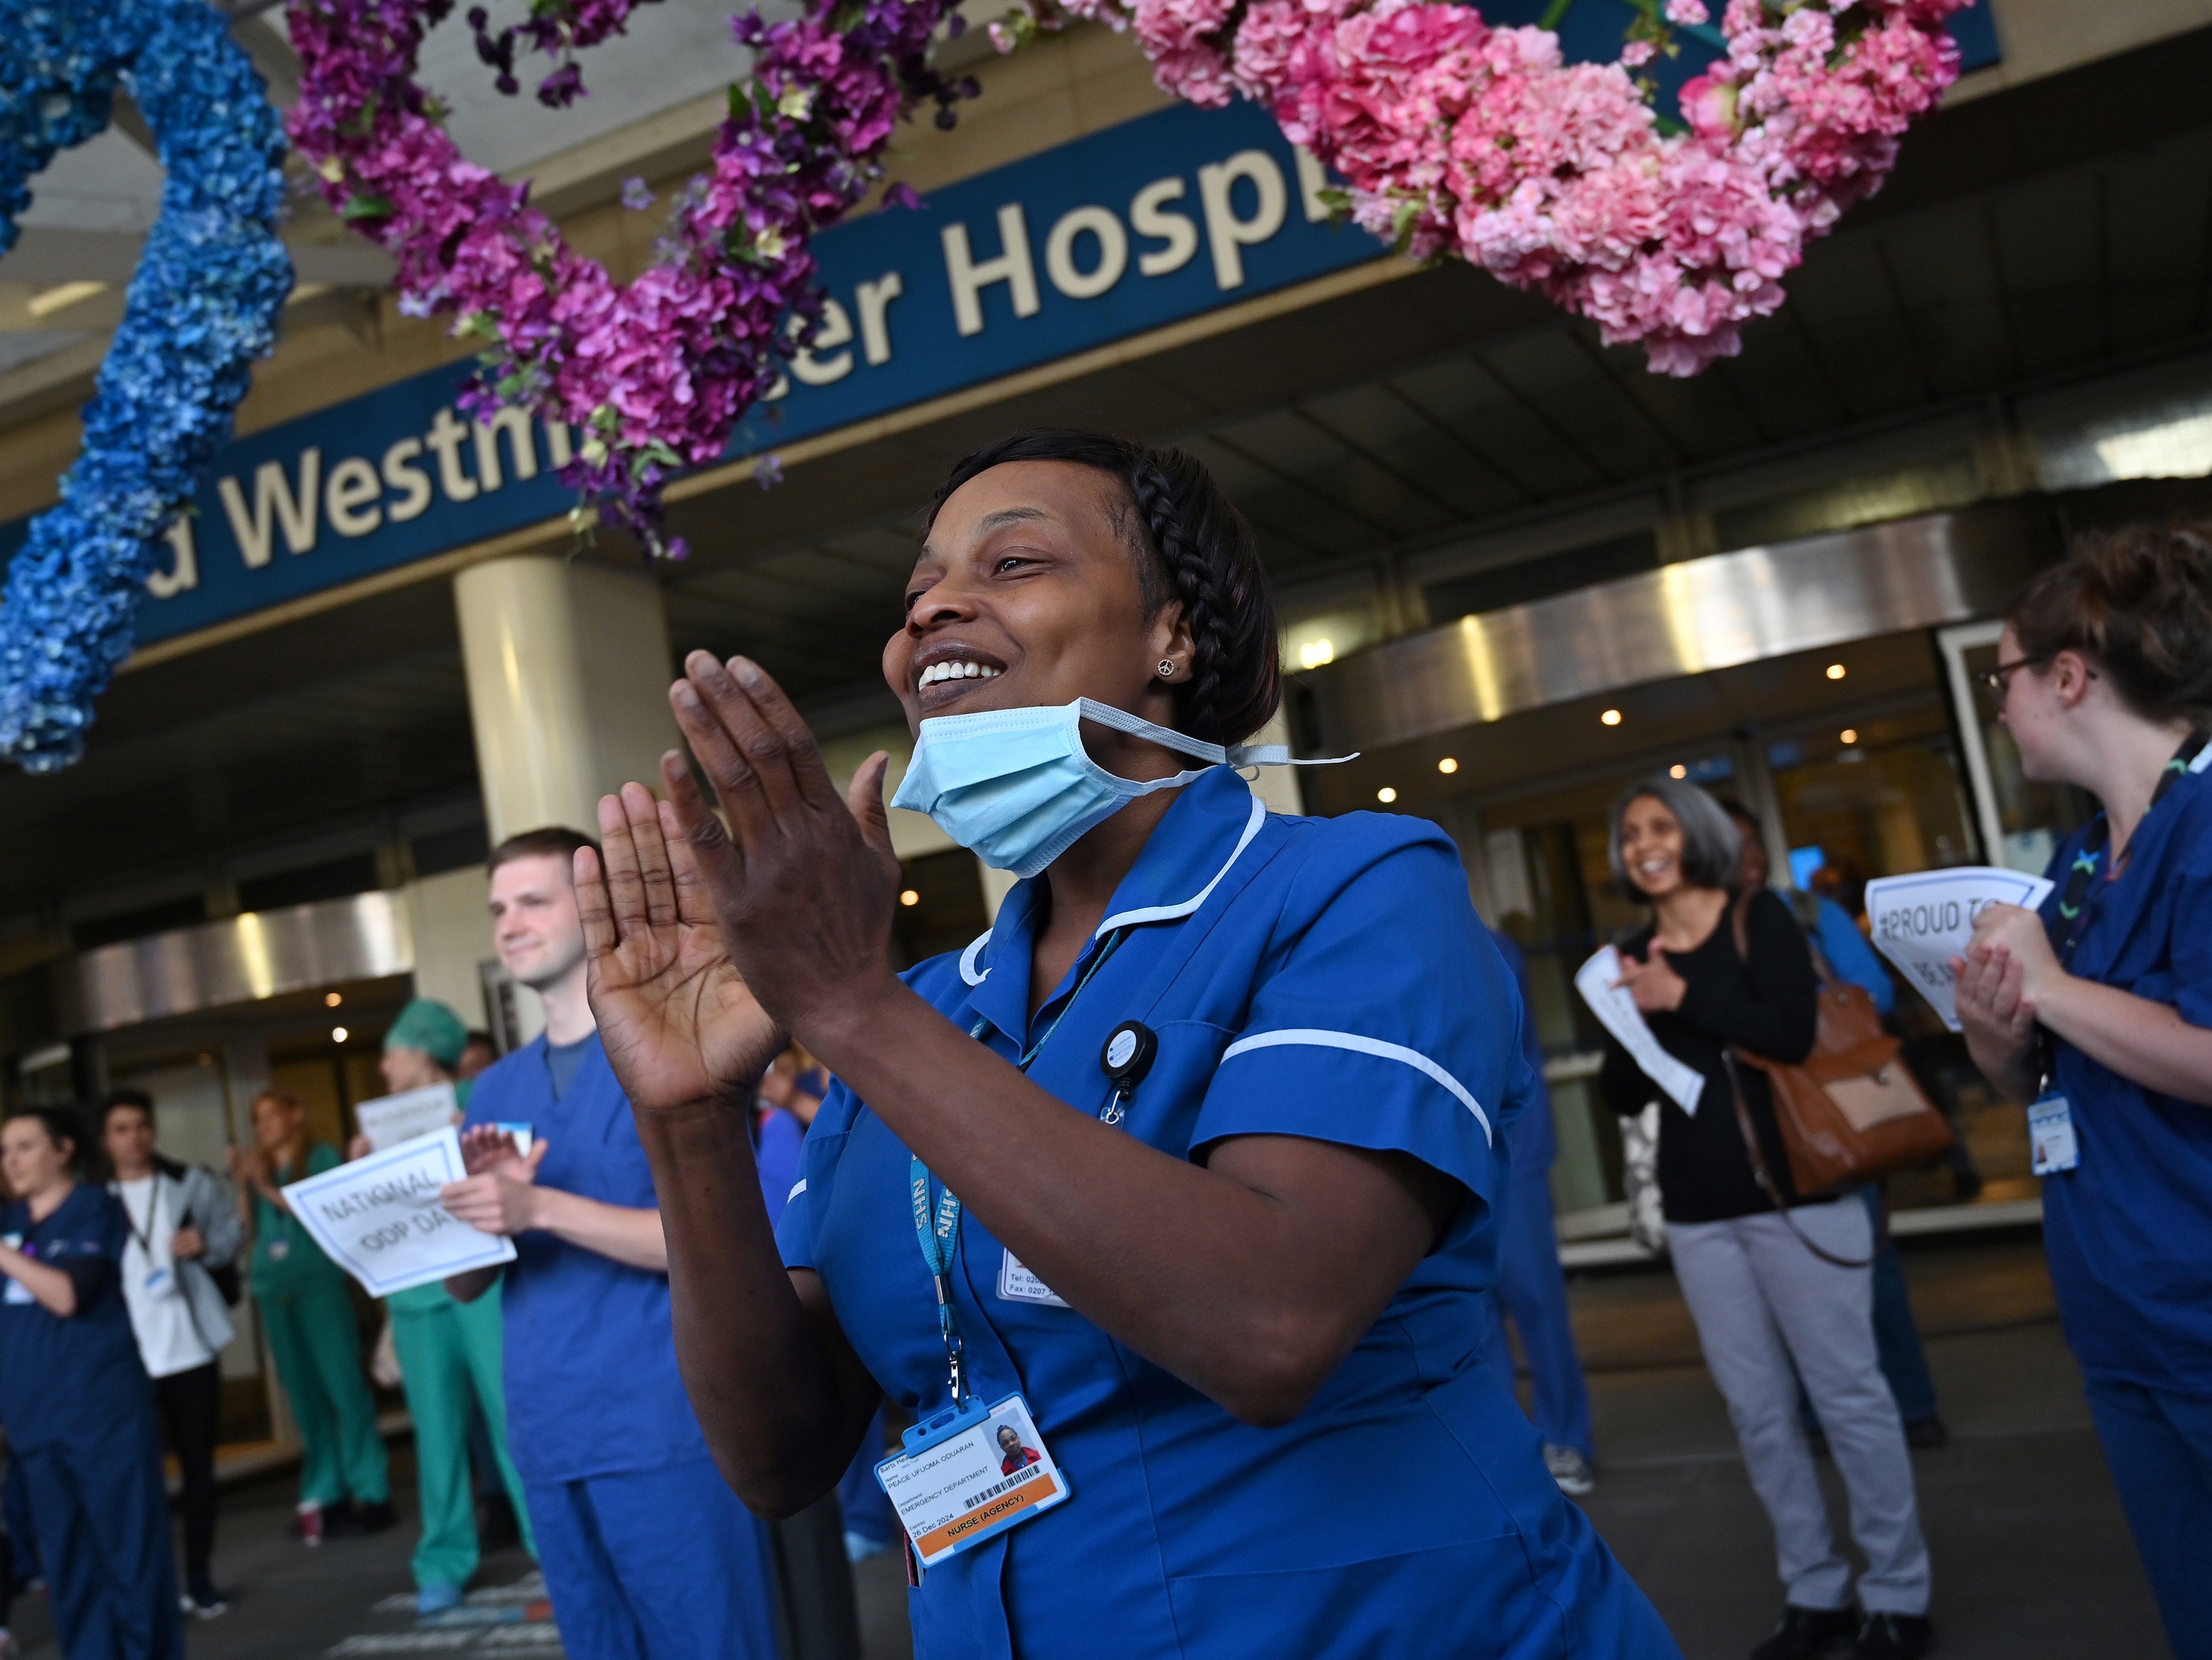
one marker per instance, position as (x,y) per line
(654,372)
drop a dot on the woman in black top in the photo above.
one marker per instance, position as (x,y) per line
(1770,1290)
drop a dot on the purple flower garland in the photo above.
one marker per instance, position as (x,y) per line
(655,371)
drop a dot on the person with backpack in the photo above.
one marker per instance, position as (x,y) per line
(185,1228)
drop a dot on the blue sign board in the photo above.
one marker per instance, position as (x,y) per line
(1160,219)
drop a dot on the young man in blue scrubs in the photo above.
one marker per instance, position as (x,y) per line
(647,1554)
(1094,1177)
(2097,1016)
(1531,1287)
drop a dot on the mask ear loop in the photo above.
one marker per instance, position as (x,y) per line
(1240,754)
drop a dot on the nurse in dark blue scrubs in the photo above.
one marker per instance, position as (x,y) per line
(2098,1016)
(1198,1151)
(78,1404)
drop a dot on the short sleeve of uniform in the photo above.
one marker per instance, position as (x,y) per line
(91,1252)
(817,1169)
(1385,1018)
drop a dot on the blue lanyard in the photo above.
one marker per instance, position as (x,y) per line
(936,1227)
(940,1244)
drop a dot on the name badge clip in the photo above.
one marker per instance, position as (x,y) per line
(1130,1050)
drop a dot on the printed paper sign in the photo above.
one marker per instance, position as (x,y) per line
(1617,1012)
(390,1119)
(989,1472)
(379,1220)
(1921,922)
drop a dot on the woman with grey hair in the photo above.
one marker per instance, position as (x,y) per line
(1777,1282)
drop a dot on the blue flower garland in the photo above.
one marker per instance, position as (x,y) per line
(201,307)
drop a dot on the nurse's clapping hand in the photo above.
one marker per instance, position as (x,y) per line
(1996,1010)
(804,882)
(679,1025)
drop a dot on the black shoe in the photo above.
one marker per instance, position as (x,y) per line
(496,1527)
(1926,1434)
(1894,1637)
(376,1517)
(341,1519)
(1806,1633)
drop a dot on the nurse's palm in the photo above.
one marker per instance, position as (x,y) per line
(677,1020)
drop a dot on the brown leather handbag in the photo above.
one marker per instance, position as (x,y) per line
(1851,1112)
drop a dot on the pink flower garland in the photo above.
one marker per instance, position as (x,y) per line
(1462,138)
(655,371)
(1454,137)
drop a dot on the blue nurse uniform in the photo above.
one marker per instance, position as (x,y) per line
(648,1554)
(1530,1285)
(1312,977)
(2129,1231)
(81,1426)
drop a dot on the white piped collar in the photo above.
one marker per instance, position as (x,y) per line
(974,976)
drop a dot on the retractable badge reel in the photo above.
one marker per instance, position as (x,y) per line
(1128,1055)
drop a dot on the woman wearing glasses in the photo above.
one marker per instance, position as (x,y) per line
(2098,1016)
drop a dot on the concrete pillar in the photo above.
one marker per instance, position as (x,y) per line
(569,672)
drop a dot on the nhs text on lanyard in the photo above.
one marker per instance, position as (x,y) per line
(971,1471)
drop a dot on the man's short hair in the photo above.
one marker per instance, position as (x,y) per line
(554,840)
(124,1096)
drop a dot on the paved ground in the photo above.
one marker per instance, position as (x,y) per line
(2030,1553)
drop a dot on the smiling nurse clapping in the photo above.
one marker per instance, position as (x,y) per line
(1095,1171)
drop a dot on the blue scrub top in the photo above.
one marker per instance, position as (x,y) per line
(2129,1232)
(1535,1143)
(591,1384)
(78,1379)
(1325,978)
(1850,954)
(778,1140)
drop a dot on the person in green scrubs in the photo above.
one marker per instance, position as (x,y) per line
(308,1316)
(450,1353)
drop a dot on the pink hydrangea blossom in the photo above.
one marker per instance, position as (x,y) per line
(1459,139)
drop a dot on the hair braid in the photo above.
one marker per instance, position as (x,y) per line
(1197,584)
(1196,549)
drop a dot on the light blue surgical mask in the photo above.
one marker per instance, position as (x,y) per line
(1017,788)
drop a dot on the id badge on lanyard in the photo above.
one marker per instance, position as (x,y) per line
(2051,1136)
(971,1471)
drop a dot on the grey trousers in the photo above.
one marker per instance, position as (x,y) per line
(1762,1301)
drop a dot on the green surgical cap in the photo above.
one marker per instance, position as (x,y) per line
(430,1025)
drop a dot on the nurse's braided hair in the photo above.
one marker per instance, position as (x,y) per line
(2137,603)
(1192,546)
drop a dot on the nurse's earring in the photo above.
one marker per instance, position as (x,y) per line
(1167,668)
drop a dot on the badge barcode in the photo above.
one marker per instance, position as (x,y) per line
(994,1491)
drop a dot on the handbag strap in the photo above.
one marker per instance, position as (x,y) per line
(1765,1178)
